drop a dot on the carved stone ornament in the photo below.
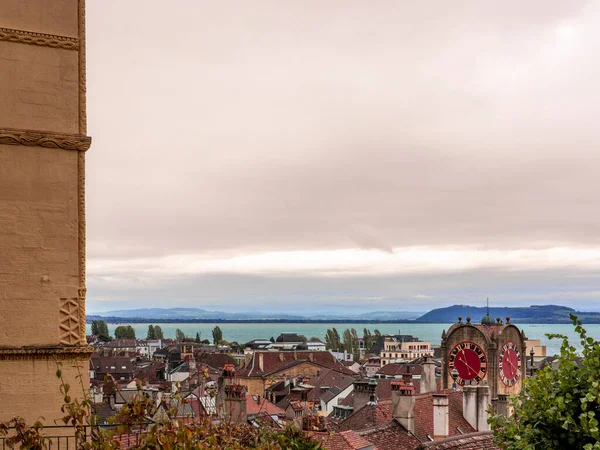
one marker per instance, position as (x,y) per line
(31,138)
(48,353)
(69,329)
(41,39)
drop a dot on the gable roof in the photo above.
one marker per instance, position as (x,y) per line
(482,440)
(255,405)
(369,416)
(346,440)
(288,337)
(424,415)
(390,436)
(273,362)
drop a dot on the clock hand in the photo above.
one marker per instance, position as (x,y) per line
(464,361)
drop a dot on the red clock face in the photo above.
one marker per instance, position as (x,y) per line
(469,360)
(509,363)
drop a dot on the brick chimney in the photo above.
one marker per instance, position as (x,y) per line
(403,403)
(235,403)
(441,421)
(428,381)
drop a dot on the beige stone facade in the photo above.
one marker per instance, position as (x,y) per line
(42,204)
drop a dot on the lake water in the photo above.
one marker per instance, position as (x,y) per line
(244,332)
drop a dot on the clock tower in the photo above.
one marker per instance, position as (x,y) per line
(491,352)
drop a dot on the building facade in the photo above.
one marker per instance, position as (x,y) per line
(403,348)
(43,140)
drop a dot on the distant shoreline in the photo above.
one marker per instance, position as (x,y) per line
(119,320)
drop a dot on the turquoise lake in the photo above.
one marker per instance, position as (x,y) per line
(244,332)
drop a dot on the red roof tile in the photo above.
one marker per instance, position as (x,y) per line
(369,416)
(273,362)
(346,440)
(482,440)
(256,404)
(390,436)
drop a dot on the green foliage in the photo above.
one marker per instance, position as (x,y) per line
(124,332)
(158,332)
(100,329)
(332,340)
(151,332)
(197,340)
(164,433)
(217,335)
(179,335)
(558,408)
(206,341)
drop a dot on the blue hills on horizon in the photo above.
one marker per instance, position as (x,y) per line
(529,314)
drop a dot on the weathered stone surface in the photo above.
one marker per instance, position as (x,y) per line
(42,205)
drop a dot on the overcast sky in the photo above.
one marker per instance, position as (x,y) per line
(310,156)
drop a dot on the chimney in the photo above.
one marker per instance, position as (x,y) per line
(403,404)
(235,403)
(260,362)
(470,404)
(441,422)
(500,405)
(372,394)
(362,394)
(483,403)
(476,401)
(311,357)
(281,358)
(428,381)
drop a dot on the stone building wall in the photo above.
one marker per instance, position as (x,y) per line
(42,204)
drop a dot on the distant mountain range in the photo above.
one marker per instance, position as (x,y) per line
(531,314)
(196,314)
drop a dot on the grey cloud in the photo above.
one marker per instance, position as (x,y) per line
(235,127)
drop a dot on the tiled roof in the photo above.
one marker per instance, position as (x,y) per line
(393,369)
(390,436)
(328,378)
(423,412)
(258,405)
(276,361)
(346,440)
(369,416)
(216,360)
(330,394)
(473,441)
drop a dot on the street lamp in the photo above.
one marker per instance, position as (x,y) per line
(454,375)
(531,353)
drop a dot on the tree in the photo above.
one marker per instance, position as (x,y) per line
(100,329)
(197,340)
(217,335)
(557,408)
(158,332)
(124,332)
(351,345)
(314,339)
(332,340)
(303,338)
(206,341)
(151,332)
(179,335)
